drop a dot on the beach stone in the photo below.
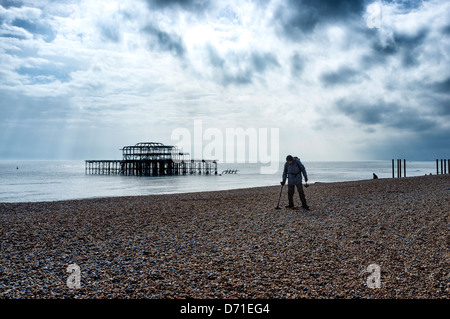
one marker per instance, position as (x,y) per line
(234,244)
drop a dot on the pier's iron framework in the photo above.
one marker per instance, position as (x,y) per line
(152,159)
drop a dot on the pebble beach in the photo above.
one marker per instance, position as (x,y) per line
(234,244)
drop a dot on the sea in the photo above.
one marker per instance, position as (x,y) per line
(44,180)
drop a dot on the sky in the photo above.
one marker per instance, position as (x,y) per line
(331,80)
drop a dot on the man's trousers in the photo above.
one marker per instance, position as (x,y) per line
(291,190)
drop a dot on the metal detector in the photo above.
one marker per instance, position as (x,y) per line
(278,205)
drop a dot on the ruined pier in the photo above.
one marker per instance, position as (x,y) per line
(151,159)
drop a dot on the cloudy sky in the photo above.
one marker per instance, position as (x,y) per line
(340,80)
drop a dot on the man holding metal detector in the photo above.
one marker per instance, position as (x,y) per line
(293,170)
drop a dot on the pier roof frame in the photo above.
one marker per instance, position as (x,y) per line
(152,151)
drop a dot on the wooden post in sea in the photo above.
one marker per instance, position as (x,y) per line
(393,175)
(397,167)
(404,167)
(437,166)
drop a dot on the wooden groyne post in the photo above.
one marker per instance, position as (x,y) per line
(399,168)
(443,166)
(393,168)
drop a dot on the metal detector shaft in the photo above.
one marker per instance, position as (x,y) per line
(281,190)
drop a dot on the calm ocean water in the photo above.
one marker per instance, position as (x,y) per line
(32,181)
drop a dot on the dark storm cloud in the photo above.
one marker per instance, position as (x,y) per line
(406,48)
(262,61)
(387,114)
(378,55)
(189,5)
(241,76)
(384,49)
(437,95)
(11,3)
(334,8)
(17,23)
(297,18)
(13,35)
(364,114)
(45,74)
(429,144)
(405,5)
(239,68)
(225,76)
(297,65)
(342,76)
(214,58)
(442,86)
(410,41)
(426,146)
(409,46)
(441,106)
(110,31)
(36,27)
(446,30)
(164,41)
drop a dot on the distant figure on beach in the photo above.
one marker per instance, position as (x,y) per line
(375,176)
(293,170)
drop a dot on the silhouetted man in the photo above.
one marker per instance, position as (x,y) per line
(293,170)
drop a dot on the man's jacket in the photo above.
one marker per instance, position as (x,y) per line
(293,172)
